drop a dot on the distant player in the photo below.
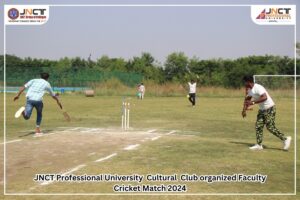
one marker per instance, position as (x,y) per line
(192,92)
(266,114)
(141,90)
(34,99)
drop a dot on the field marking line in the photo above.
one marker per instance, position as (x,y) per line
(90,130)
(12,141)
(68,172)
(131,147)
(105,158)
(69,127)
(151,131)
(74,169)
(44,134)
(74,129)
(155,138)
(171,132)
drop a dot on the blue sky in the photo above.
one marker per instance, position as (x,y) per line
(204,32)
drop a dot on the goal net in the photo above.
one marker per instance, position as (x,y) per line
(279,85)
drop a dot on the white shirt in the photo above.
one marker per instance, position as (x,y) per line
(37,89)
(256,92)
(142,88)
(192,87)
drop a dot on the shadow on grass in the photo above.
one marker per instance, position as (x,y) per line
(251,144)
(32,133)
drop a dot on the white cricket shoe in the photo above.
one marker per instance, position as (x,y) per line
(256,147)
(19,112)
(287,143)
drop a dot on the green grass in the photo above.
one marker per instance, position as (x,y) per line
(211,138)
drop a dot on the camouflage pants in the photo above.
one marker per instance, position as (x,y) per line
(267,117)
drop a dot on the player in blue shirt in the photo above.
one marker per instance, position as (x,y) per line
(34,99)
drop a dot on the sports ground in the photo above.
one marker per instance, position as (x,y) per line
(166,136)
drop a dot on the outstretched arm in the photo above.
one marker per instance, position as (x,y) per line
(21,90)
(57,101)
(53,95)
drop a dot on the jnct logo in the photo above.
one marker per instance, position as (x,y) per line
(33,12)
(275,13)
(13,13)
(26,14)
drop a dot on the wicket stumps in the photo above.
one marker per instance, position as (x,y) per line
(125,115)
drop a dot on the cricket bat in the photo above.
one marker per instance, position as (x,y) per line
(66,115)
(64,112)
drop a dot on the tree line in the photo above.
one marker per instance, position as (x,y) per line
(177,68)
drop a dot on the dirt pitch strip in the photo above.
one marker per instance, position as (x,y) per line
(65,151)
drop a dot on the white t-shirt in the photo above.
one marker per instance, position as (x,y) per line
(192,87)
(142,88)
(256,92)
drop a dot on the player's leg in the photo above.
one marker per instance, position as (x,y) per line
(194,99)
(28,109)
(259,126)
(191,98)
(39,109)
(270,124)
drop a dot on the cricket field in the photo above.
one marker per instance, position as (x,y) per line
(167,136)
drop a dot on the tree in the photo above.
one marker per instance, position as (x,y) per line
(176,66)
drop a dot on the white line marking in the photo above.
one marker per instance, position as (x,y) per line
(12,141)
(105,158)
(155,138)
(151,131)
(131,147)
(68,172)
(44,134)
(74,169)
(90,130)
(74,129)
(171,132)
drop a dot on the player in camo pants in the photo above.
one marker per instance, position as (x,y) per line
(257,94)
(267,117)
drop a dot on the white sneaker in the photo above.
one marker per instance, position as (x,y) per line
(287,143)
(256,147)
(19,112)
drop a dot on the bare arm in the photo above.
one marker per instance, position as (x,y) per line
(248,102)
(57,101)
(21,90)
(261,99)
(245,106)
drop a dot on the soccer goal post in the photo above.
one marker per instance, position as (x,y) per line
(277,81)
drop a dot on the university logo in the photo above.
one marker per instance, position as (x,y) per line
(273,14)
(26,14)
(13,13)
(262,15)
